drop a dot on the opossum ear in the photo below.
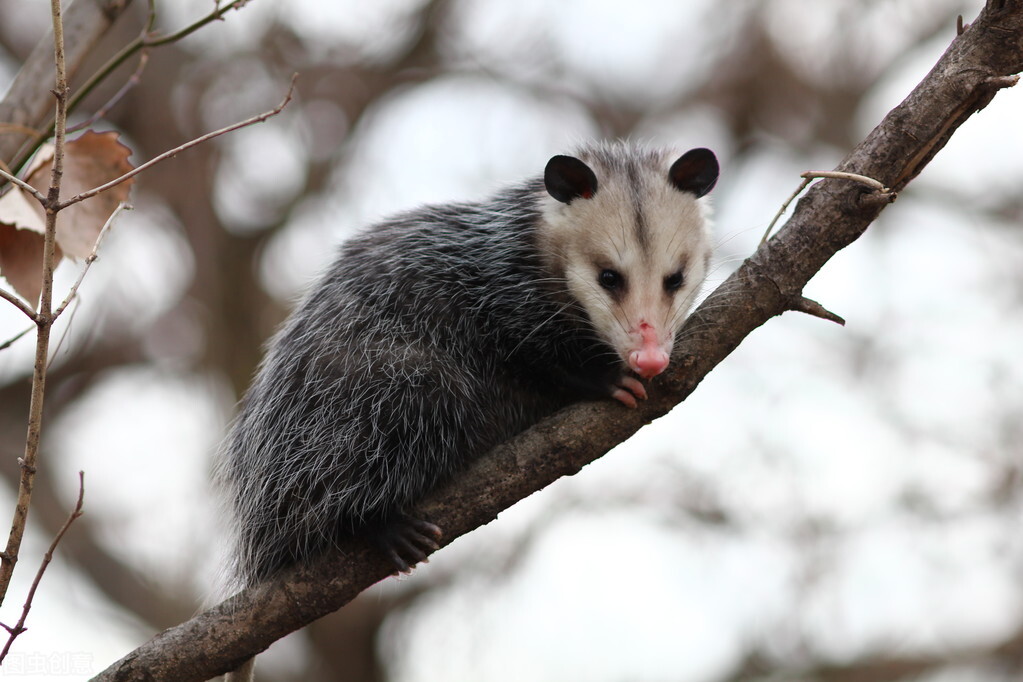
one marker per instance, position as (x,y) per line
(695,172)
(568,178)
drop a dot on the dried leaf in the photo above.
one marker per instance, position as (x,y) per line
(89,161)
(21,210)
(22,224)
(21,260)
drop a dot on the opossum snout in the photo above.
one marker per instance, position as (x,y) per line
(648,362)
(651,358)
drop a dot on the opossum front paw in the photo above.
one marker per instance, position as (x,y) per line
(627,390)
(407,541)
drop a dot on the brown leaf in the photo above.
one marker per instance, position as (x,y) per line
(89,161)
(21,210)
(22,224)
(21,260)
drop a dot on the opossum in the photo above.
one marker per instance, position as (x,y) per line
(441,332)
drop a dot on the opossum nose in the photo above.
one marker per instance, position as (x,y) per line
(648,362)
(650,359)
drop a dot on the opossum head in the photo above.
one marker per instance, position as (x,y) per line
(625,230)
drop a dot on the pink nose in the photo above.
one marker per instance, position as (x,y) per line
(648,362)
(651,359)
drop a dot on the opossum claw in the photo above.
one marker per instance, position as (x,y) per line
(407,541)
(627,390)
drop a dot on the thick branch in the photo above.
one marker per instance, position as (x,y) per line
(831,216)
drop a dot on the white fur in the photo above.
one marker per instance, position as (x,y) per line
(588,235)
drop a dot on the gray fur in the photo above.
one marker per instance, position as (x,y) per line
(433,336)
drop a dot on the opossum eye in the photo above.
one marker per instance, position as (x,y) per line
(610,279)
(673,282)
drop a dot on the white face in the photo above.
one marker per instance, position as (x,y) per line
(634,255)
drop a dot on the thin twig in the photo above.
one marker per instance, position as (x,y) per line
(18,303)
(5,170)
(132,81)
(810,176)
(73,292)
(65,332)
(144,40)
(177,150)
(44,319)
(40,197)
(216,15)
(150,18)
(7,127)
(11,341)
(90,259)
(810,307)
(19,627)
(842,175)
(781,211)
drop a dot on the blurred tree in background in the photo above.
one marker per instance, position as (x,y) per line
(834,504)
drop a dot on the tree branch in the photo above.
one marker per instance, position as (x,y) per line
(18,303)
(170,153)
(44,318)
(10,177)
(27,106)
(19,627)
(93,255)
(833,214)
(28,115)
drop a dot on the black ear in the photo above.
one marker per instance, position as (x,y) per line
(695,172)
(568,178)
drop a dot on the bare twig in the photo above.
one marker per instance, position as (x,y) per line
(132,81)
(92,257)
(44,318)
(810,176)
(18,303)
(73,291)
(19,627)
(65,332)
(7,127)
(10,177)
(9,342)
(27,108)
(177,150)
(784,207)
(145,39)
(810,307)
(216,14)
(52,205)
(841,175)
